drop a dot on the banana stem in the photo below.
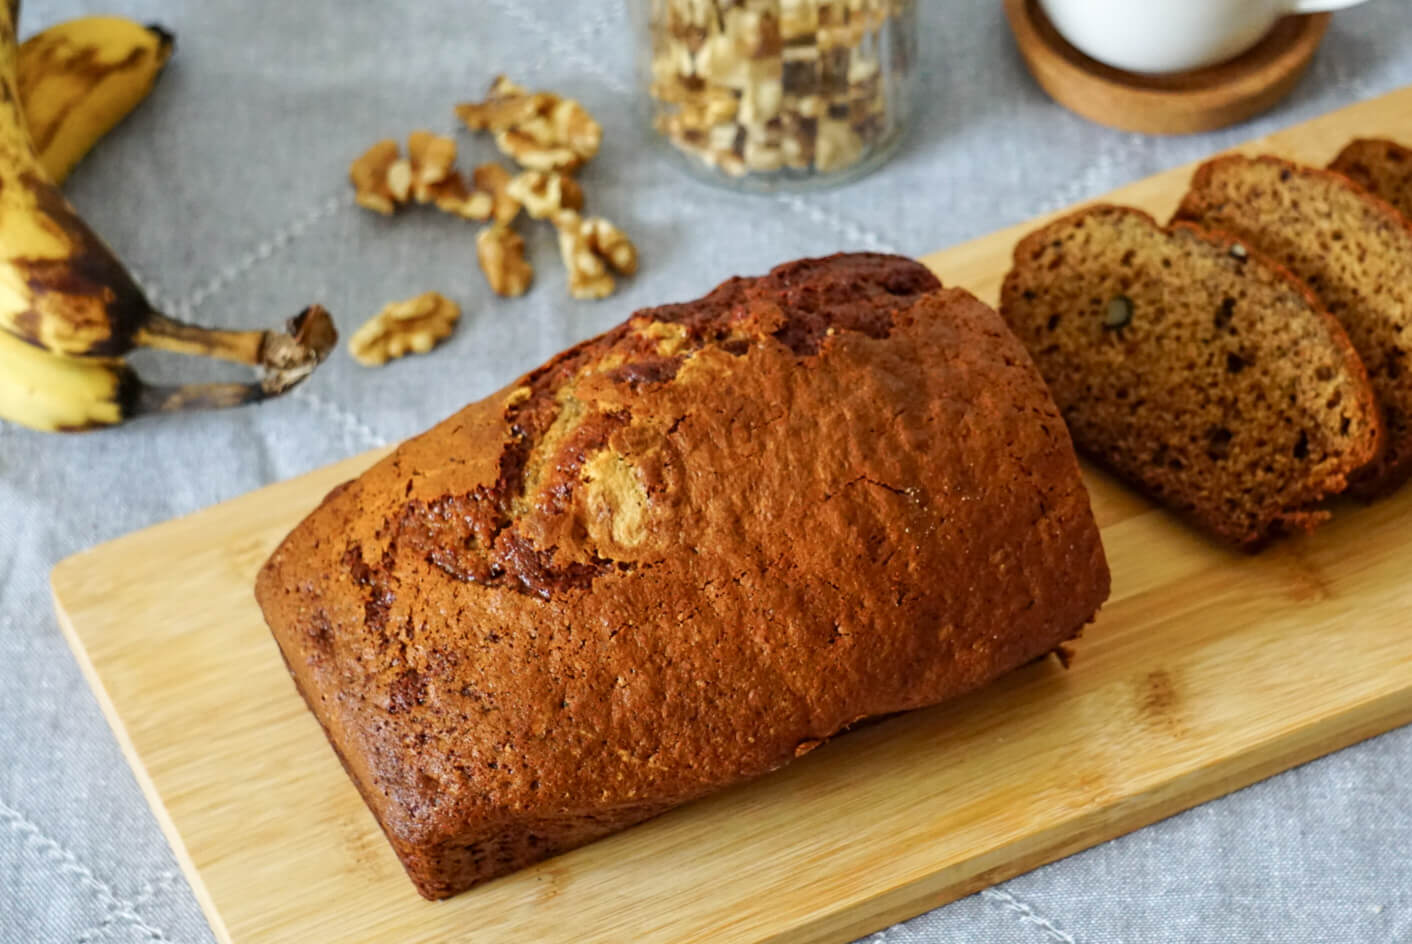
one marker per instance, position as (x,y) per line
(215,396)
(284,358)
(167,334)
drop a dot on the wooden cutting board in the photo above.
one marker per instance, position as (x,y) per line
(1207,670)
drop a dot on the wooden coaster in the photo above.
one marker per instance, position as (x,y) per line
(1179,103)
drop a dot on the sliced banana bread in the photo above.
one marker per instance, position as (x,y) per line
(1382,167)
(1353,250)
(1200,371)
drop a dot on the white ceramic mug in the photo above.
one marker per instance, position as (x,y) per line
(1156,36)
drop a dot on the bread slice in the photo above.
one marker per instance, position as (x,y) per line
(1352,249)
(1196,369)
(1380,166)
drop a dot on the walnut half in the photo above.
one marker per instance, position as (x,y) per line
(433,162)
(501,252)
(540,130)
(545,193)
(492,179)
(506,105)
(369,175)
(413,326)
(434,178)
(589,247)
(384,180)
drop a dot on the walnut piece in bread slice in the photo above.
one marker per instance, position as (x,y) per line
(1194,368)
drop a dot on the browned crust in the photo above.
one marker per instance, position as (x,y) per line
(1349,163)
(1357,145)
(1193,202)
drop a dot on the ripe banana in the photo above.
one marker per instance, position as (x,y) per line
(51,393)
(65,295)
(79,79)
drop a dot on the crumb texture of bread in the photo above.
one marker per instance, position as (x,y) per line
(679,555)
(1194,368)
(1382,167)
(1353,250)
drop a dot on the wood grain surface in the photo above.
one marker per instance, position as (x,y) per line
(1207,670)
(1178,103)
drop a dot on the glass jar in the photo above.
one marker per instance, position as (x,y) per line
(778,94)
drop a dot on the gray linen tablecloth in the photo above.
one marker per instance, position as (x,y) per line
(226,193)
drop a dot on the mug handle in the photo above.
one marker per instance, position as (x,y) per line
(1320,6)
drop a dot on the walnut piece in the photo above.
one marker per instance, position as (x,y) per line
(384,180)
(453,196)
(588,248)
(495,180)
(506,106)
(501,252)
(433,162)
(545,193)
(369,176)
(413,326)
(431,177)
(399,180)
(539,130)
(612,244)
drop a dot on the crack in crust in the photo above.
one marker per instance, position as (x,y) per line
(555,427)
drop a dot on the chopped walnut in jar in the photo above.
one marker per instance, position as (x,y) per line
(803,87)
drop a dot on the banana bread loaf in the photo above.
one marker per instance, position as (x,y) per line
(681,554)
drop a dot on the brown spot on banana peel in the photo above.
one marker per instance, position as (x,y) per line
(95,71)
(89,289)
(126,395)
(35,65)
(135,398)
